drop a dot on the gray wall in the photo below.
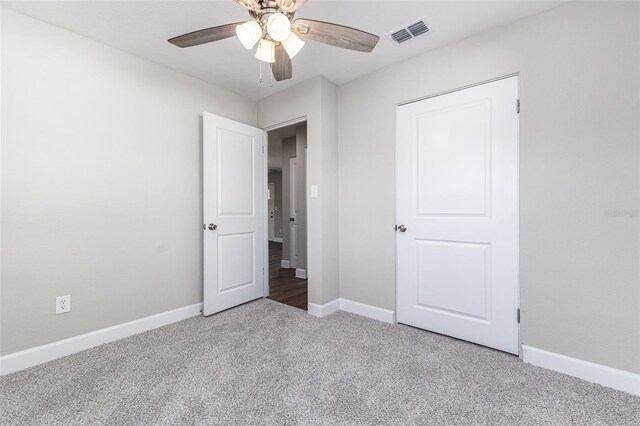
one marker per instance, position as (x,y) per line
(579,71)
(101,183)
(276,179)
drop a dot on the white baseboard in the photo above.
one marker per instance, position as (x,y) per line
(40,354)
(369,311)
(358,308)
(324,310)
(585,370)
(284,264)
(301,273)
(277,240)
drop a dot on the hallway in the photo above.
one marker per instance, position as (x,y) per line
(284,287)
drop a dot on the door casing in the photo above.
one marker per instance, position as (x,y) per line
(293,213)
(298,120)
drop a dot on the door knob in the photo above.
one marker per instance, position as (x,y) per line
(212,227)
(401,228)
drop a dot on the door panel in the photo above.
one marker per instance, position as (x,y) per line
(236,173)
(452,277)
(457,157)
(457,187)
(236,261)
(234,232)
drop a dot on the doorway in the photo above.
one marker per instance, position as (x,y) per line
(457,213)
(287,211)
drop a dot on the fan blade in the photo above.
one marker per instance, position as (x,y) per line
(205,36)
(282,68)
(336,35)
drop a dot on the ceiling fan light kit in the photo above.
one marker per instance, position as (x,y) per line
(272,27)
(278,27)
(266,51)
(249,34)
(293,45)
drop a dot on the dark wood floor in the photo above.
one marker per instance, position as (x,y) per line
(284,287)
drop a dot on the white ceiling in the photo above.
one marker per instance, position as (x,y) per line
(142,28)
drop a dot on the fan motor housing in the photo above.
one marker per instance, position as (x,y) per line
(267,8)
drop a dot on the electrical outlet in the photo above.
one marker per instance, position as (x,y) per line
(63,304)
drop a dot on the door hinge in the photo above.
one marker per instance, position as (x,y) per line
(518,316)
(518,106)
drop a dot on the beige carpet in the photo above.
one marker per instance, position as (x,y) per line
(266,363)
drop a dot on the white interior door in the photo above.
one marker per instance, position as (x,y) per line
(234,205)
(293,217)
(271,196)
(457,202)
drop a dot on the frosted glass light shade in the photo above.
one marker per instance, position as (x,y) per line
(249,33)
(266,51)
(278,26)
(292,45)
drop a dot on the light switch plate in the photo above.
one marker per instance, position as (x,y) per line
(314,191)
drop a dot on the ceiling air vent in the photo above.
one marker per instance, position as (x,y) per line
(408,32)
(418,28)
(401,36)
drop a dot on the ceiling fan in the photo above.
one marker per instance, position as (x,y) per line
(273,28)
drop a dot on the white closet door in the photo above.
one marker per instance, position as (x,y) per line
(457,202)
